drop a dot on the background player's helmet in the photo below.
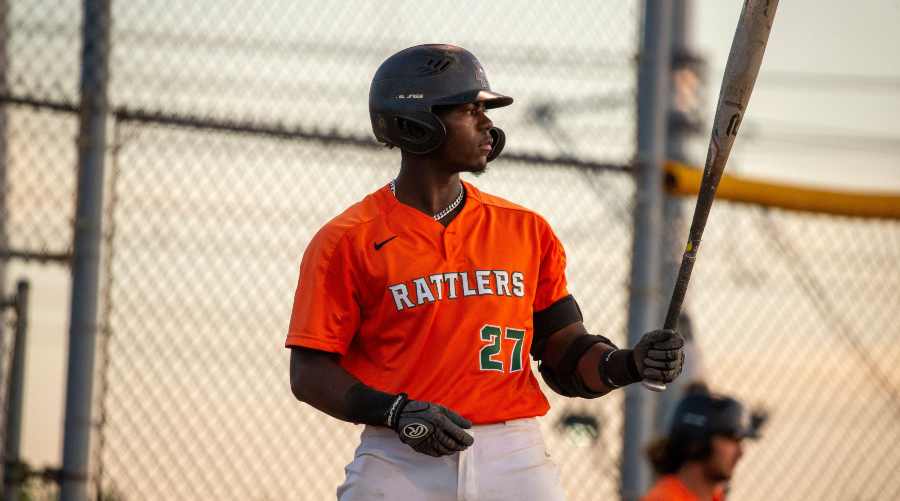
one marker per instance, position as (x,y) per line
(697,418)
(704,415)
(410,83)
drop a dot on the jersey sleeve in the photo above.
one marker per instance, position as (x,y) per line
(551,283)
(326,312)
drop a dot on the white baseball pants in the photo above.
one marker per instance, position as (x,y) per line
(508,461)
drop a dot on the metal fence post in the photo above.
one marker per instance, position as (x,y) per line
(13,472)
(86,250)
(4,238)
(644,293)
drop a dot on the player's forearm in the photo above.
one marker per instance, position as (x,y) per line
(589,372)
(604,368)
(570,362)
(595,366)
(318,380)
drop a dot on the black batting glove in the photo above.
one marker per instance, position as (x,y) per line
(659,355)
(429,428)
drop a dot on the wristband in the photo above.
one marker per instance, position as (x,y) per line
(393,415)
(369,406)
(618,368)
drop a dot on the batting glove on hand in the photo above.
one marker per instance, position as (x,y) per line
(429,428)
(659,355)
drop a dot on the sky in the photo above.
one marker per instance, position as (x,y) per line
(825,107)
(824,113)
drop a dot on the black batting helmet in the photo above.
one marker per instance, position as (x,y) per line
(702,415)
(697,418)
(409,84)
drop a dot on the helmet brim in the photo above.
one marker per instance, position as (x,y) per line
(737,434)
(490,99)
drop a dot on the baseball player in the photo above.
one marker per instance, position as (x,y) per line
(418,307)
(697,458)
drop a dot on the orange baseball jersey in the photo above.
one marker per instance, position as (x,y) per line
(443,314)
(671,488)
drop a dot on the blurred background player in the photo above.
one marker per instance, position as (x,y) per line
(417,308)
(698,457)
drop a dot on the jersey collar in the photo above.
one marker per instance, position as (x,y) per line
(389,204)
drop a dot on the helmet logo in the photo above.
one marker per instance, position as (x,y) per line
(694,419)
(435,65)
(744,421)
(410,96)
(480,76)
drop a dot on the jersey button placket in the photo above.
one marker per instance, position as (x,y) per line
(449,241)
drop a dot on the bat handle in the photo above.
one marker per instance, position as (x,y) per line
(674,310)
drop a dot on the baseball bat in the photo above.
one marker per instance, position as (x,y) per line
(743,64)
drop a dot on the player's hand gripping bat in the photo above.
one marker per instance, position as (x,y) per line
(746,55)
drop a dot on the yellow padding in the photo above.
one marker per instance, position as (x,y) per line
(684,180)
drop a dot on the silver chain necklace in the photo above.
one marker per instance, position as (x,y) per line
(442,214)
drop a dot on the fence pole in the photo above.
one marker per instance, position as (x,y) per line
(13,473)
(4,238)
(644,291)
(86,250)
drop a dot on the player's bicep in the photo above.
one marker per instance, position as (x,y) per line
(318,373)
(305,367)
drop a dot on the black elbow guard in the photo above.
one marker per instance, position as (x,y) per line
(564,378)
(551,319)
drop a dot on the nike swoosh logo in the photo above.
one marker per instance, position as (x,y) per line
(379,245)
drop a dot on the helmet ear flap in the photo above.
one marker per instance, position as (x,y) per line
(417,132)
(499,141)
(412,130)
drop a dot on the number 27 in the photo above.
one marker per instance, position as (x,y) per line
(494,335)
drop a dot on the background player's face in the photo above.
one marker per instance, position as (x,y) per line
(726,452)
(468,141)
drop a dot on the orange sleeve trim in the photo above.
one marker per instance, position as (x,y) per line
(306,340)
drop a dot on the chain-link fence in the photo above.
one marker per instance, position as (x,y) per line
(237,129)
(796,313)
(240,206)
